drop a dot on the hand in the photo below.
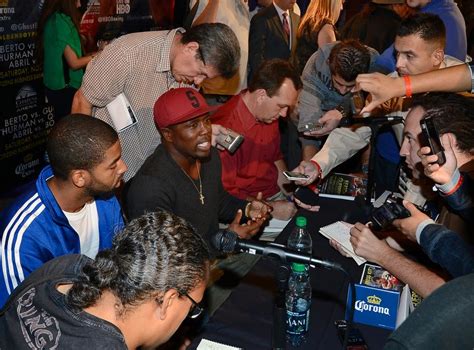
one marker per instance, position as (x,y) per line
(408,226)
(381,87)
(283,210)
(366,244)
(218,131)
(247,230)
(339,248)
(313,208)
(259,209)
(439,174)
(329,121)
(307,168)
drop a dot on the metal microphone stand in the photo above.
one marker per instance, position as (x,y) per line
(279,308)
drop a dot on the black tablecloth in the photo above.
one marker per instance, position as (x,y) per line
(245,319)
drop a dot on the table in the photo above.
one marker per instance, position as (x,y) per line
(245,319)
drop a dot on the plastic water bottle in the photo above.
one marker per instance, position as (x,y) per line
(298,295)
(298,303)
(300,239)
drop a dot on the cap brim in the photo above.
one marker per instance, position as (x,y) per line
(194,114)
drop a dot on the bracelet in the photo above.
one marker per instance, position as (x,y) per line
(317,180)
(247,210)
(408,91)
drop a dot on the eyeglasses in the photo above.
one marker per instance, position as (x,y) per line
(201,55)
(195,310)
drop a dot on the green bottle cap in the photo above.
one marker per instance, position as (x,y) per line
(300,221)
(298,267)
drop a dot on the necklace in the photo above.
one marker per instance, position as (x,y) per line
(199,190)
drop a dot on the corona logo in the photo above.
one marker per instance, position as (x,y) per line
(362,306)
(373,299)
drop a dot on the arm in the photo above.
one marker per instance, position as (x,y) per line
(282,180)
(73,61)
(80,104)
(208,14)
(257,42)
(341,145)
(421,279)
(447,249)
(326,35)
(383,88)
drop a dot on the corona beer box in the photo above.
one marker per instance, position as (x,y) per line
(374,306)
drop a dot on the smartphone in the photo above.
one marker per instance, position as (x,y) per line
(310,126)
(231,141)
(431,136)
(355,341)
(293,176)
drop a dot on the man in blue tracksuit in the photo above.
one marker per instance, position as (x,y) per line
(70,208)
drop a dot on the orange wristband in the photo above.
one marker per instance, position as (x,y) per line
(318,167)
(408,92)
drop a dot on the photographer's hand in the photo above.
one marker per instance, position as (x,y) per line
(307,168)
(409,225)
(439,174)
(329,121)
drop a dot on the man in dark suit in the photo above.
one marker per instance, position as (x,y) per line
(273,35)
(269,36)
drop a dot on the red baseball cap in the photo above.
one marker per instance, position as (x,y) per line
(179,105)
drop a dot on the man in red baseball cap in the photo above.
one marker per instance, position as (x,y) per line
(183,176)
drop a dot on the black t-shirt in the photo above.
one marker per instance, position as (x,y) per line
(36,315)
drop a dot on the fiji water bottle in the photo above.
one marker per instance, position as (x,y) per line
(298,302)
(300,239)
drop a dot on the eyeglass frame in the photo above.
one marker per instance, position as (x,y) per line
(196,310)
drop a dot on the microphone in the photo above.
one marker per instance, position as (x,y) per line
(227,242)
(378,120)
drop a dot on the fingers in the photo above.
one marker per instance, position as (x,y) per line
(259,196)
(370,107)
(411,207)
(237,217)
(313,208)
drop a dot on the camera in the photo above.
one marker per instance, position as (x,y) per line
(383,216)
(231,141)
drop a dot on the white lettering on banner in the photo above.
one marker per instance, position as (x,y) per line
(363,306)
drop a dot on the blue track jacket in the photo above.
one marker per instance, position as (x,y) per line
(34,230)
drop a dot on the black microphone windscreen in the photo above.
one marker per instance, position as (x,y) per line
(224,241)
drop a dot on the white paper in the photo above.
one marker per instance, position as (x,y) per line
(121,113)
(206,344)
(404,306)
(340,232)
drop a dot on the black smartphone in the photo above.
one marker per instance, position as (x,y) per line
(355,341)
(306,196)
(431,136)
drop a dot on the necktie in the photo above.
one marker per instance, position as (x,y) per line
(286,26)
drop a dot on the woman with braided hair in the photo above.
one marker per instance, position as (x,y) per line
(135,294)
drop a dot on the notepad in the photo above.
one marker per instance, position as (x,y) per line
(206,344)
(340,232)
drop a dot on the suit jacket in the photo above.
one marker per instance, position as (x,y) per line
(267,39)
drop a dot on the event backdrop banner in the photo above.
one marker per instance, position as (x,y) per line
(25,117)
